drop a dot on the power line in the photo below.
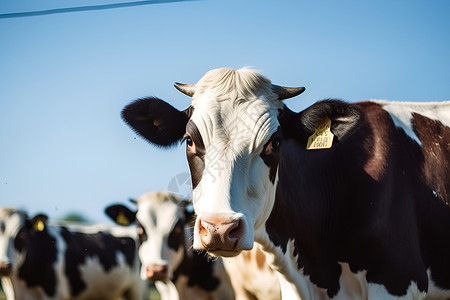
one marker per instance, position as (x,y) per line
(84,8)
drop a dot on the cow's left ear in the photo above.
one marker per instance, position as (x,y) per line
(156,121)
(38,222)
(121,214)
(344,118)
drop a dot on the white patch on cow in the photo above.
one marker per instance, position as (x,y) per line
(63,286)
(12,221)
(250,273)
(401,113)
(379,291)
(234,125)
(110,284)
(435,292)
(285,264)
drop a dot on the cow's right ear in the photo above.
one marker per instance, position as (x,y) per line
(120,214)
(156,121)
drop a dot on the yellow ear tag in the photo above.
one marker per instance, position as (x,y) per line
(39,225)
(122,220)
(322,138)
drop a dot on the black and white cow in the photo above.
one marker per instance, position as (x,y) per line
(41,261)
(166,249)
(367,217)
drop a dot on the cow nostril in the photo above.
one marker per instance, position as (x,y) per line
(235,232)
(203,230)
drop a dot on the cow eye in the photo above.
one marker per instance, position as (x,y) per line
(141,234)
(189,142)
(272,146)
(190,145)
(275,144)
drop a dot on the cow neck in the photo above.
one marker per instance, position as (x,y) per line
(40,254)
(311,193)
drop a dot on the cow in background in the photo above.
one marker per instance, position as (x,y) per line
(165,232)
(348,200)
(42,261)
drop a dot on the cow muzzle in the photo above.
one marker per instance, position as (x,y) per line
(5,269)
(157,272)
(221,236)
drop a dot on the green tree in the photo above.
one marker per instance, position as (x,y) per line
(75,217)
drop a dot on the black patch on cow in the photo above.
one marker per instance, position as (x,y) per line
(41,254)
(271,153)
(196,266)
(2,227)
(81,246)
(435,215)
(176,236)
(336,212)
(199,269)
(156,121)
(196,160)
(435,138)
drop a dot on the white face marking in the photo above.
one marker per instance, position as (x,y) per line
(235,178)
(401,113)
(236,114)
(11,221)
(158,218)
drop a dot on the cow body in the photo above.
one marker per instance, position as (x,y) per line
(41,261)
(365,217)
(166,251)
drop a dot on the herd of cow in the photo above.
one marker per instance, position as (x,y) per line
(75,261)
(338,201)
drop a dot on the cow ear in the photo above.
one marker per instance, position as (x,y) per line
(334,115)
(38,222)
(344,117)
(120,214)
(156,121)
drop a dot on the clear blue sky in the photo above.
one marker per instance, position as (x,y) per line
(64,79)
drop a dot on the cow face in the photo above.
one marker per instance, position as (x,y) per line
(233,136)
(15,229)
(160,223)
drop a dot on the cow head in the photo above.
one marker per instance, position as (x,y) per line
(233,135)
(160,219)
(15,229)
